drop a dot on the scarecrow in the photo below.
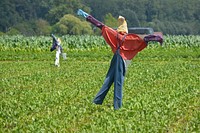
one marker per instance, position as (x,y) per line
(124,46)
(57,46)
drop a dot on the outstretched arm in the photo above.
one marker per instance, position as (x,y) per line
(55,43)
(90,18)
(54,38)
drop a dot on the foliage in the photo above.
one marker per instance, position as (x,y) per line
(13,31)
(21,12)
(171,17)
(110,21)
(132,17)
(25,28)
(71,25)
(59,8)
(1,33)
(42,27)
(9,15)
(170,14)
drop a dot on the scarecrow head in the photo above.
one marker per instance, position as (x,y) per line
(122,25)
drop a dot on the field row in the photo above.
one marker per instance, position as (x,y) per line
(43,43)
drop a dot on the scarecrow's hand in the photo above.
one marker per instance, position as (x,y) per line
(82,13)
(54,38)
(53,35)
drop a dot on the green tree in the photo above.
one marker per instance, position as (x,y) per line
(178,16)
(109,20)
(42,27)
(25,28)
(1,33)
(61,7)
(13,31)
(72,25)
(131,17)
(9,16)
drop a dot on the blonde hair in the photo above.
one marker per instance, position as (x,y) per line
(59,40)
(122,25)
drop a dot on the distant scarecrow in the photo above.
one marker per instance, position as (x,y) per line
(57,46)
(124,46)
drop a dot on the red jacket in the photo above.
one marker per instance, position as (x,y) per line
(129,48)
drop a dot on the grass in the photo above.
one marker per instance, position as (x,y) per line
(160,93)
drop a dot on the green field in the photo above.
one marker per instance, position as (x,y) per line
(161,92)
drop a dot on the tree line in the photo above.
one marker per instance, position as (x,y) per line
(42,17)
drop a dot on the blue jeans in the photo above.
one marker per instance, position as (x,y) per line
(116,74)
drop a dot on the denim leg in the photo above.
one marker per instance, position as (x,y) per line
(118,82)
(107,83)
